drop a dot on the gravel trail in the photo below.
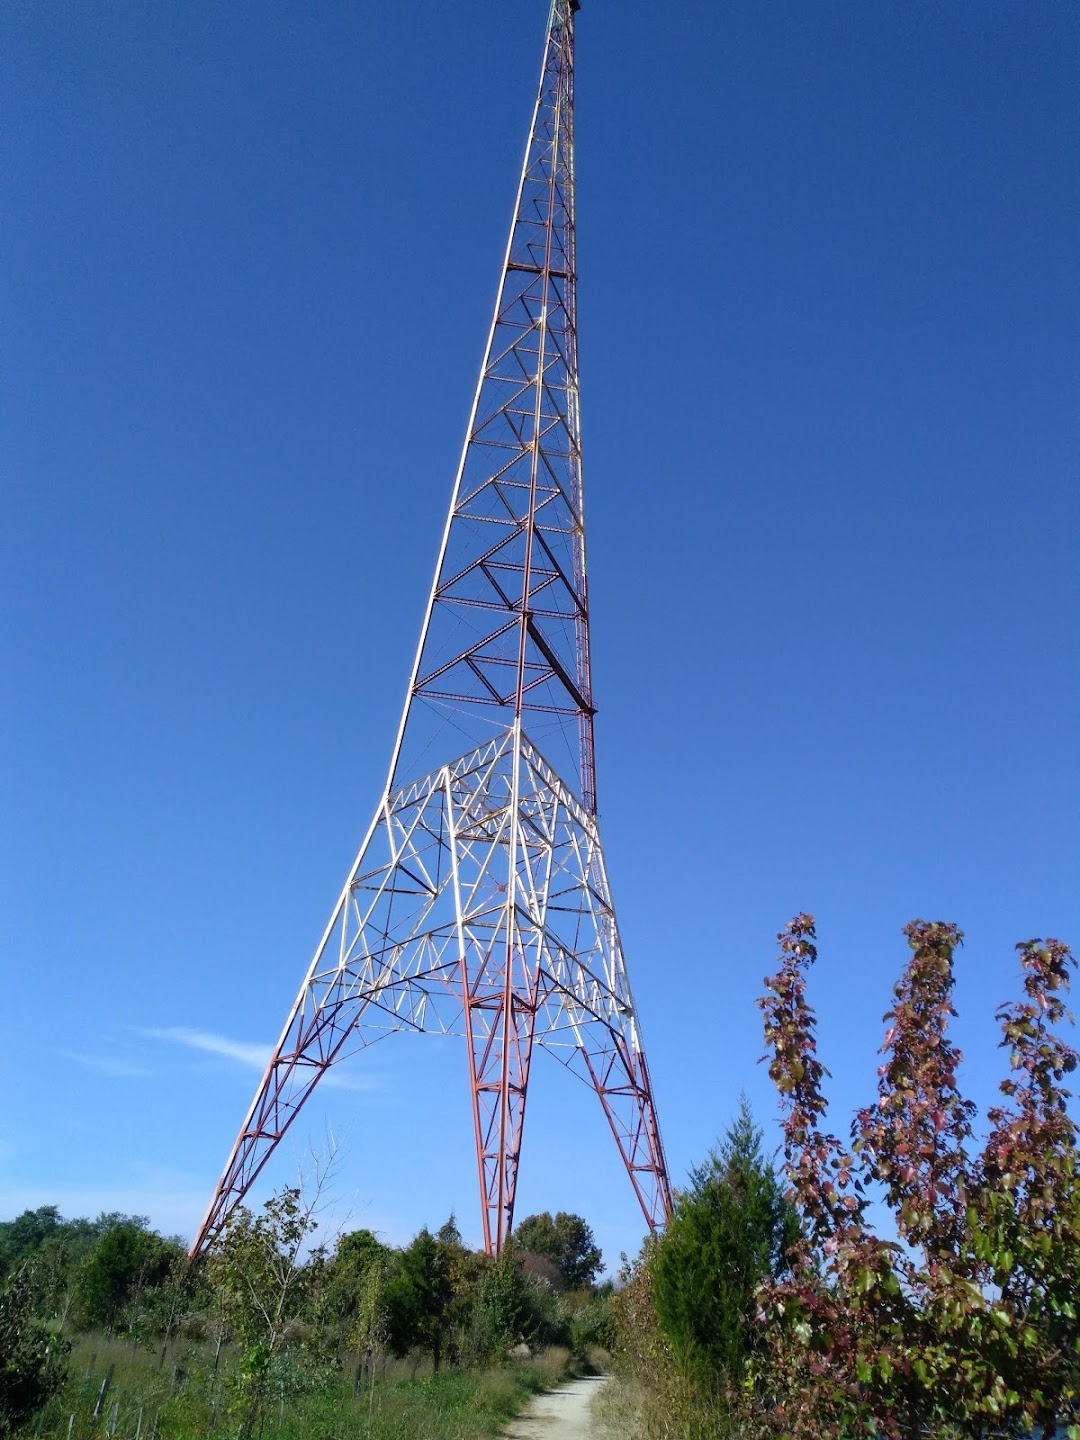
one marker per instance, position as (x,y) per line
(563,1414)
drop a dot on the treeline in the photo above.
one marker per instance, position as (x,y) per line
(772,1307)
(106,1273)
(268,1313)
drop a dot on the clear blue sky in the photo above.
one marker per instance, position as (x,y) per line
(830,360)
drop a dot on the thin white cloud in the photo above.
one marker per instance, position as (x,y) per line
(253,1056)
(247,1053)
(111,1065)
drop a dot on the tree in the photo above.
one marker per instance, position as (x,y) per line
(968,1321)
(24,1236)
(126,1258)
(256,1267)
(729,1232)
(255,1264)
(567,1241)
(356,1256)
(367,1330)
(511,1306)
(593,1323)
(419,1297)
(504,1307)
(32,1367)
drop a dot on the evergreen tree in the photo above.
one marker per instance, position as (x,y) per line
(730,1230)
(419,1297)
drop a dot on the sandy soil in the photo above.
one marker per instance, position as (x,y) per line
(563,1414)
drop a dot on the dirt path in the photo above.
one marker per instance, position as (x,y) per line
(563,1414)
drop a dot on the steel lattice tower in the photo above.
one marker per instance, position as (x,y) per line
(479,902)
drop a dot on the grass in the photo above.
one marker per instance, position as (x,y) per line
(183,1398)
(618,1409)
(633,1411)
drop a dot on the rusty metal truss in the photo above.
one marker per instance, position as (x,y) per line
(479,901)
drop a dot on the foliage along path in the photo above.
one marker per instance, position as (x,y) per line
(563,1414)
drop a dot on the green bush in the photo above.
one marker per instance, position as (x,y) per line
(592,1325)
(32,1358)
(510,1308)
(126,1259)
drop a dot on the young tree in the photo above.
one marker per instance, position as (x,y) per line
(503,1309)
(729,1232)
(511,1306)
(367,1329)
(256,1265)
(567,1241)
(968,1322)
(257,1269)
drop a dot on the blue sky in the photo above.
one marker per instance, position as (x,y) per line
(829,335)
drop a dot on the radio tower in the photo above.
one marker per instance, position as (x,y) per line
(479,902)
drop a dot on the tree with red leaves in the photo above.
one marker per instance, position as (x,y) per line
(966,1324)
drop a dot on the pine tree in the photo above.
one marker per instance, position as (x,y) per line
(729,1231)
(419,1297)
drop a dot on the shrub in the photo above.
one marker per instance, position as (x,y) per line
(32,1358)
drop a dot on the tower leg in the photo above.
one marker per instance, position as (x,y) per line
(499,1035)
(594,1033)
(309,1046)
(622,1082)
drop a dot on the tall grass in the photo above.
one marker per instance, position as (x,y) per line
(184,1397)
(619,1409)
(632,1410)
